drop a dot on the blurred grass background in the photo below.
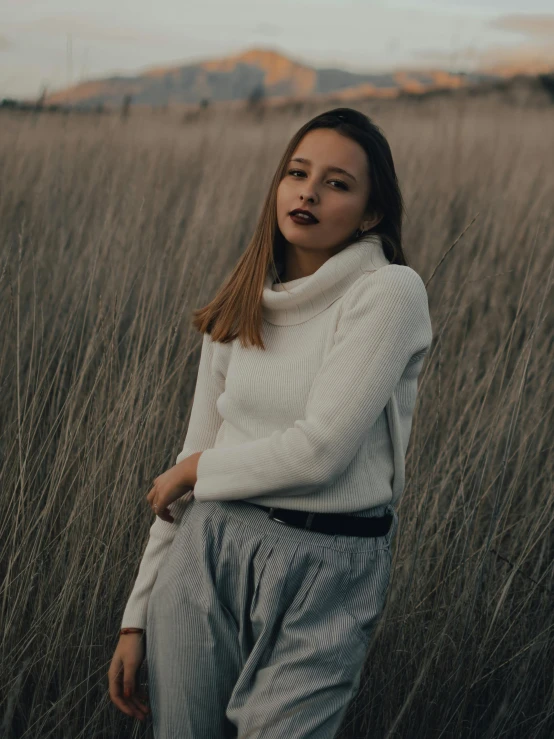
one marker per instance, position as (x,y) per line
(111,232)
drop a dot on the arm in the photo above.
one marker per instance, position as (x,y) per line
(385,321)
(202,430)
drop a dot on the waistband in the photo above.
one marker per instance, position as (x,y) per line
(257,520)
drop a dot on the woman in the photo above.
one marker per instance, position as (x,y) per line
(268,563)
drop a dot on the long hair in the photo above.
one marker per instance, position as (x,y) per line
(236,310)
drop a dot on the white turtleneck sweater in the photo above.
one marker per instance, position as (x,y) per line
(318,421)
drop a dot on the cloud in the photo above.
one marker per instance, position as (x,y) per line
(530,55)
(81,27)
(536,51)
(538,26)
(5,43)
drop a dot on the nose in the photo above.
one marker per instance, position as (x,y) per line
(308,195)
(308,192)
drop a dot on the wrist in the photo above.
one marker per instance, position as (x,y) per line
(188,469)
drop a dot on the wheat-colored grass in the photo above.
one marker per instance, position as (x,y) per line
(111,232)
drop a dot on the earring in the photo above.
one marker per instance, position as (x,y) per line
(359,233)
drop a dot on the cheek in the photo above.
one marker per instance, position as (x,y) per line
(283,201)
(282,195)
(343,211)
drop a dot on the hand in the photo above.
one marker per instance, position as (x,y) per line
(168,487)
(123,676)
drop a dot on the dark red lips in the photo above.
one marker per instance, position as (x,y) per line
(311,219)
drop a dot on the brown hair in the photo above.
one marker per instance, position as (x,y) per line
(236,310)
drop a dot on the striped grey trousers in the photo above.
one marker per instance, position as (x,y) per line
(259,629)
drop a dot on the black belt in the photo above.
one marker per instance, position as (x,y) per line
(331,523)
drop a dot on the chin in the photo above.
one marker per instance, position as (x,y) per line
(302,234)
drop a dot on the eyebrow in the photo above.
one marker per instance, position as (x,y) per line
(330,169)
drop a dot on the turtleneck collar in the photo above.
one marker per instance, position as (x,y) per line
(308,296)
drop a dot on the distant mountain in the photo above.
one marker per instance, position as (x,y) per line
(257,70)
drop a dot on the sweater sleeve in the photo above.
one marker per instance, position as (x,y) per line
(384,322)
(202,430)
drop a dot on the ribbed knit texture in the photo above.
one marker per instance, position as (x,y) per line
(260,630)
(318,421)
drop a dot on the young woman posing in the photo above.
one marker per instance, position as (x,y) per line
(269,560)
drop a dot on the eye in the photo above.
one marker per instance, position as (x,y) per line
(343,185)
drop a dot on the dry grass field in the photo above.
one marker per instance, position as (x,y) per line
(111,232)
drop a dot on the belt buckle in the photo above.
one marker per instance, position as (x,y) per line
(270,514)
(307,523)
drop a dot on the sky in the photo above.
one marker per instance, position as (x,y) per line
(56,43)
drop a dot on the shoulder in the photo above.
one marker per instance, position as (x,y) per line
(393,297)
(393,284)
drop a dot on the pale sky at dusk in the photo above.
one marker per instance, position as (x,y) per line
(128,36)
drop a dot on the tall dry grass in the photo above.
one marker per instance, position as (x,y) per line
(110,235)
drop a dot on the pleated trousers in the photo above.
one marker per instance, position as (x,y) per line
(259,629)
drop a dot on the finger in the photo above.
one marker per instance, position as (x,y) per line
(116,689)
(128,707)
(140,705)
(133,701)
(129,680)
(114,680)
(160,509)
(140,697)
(165,515)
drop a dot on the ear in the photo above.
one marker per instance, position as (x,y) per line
(371,220)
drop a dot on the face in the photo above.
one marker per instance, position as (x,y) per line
(337,199)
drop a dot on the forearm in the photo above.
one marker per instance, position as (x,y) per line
(161,536)
(188,469)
